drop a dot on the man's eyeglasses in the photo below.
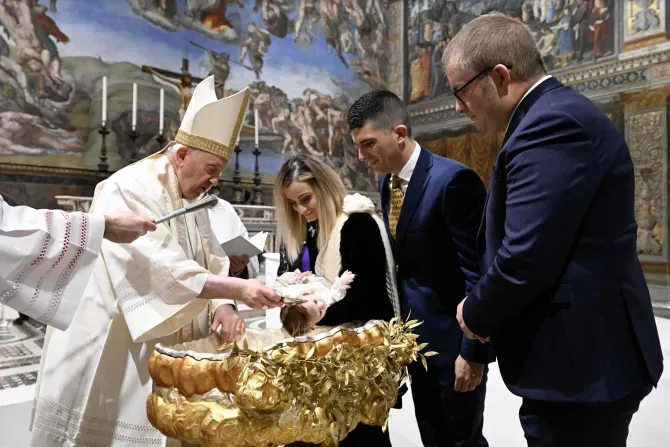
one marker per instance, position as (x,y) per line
(477,76)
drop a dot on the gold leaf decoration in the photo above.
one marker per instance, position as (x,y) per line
(309,391)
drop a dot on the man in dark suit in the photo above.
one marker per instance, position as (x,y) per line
(432,207)
(562,297)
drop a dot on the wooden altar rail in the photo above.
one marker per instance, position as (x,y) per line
(74,203)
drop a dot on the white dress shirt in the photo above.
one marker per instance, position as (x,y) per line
(524,97)
(407,171)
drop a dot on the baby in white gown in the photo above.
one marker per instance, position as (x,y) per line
(317,294)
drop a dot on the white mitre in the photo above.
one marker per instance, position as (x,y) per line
(212,124)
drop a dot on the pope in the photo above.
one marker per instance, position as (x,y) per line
(94,378)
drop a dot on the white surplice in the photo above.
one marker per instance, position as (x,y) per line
(94,378)
(226,225)
(47,258)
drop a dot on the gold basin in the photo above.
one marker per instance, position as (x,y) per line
(272,389)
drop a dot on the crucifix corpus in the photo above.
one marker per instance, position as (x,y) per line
(183,81)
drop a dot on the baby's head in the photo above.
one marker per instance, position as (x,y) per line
(300,318)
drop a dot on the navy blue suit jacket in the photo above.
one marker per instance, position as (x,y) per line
(435,251)
(562,294)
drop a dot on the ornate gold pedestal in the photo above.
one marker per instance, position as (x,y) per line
(315,388)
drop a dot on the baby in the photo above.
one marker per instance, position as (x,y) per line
(318,294)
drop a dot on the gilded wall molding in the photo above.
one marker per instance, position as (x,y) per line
(645,98)
(602,82)
(646,134)
(16,168)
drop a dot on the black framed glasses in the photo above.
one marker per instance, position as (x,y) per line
(455,92)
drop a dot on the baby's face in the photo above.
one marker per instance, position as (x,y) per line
(316,309)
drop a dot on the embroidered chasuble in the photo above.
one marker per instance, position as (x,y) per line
(94,377)
(397,198)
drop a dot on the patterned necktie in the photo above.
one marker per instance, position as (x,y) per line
(397,197)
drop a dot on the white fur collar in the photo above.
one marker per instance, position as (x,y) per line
(356,203)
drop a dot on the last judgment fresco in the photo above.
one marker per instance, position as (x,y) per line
(305,61)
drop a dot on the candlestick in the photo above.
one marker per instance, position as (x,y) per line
(104,100)
(133,147)
(237,177)
(256,125)
(103,167)
(160,120)
(161,140)
(134,106)
(258,196)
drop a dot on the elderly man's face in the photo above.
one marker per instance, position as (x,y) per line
(478,100)
(197,171)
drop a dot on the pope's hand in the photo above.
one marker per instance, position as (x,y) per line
(259,296)
(125,226)
(466,331)
(226,317)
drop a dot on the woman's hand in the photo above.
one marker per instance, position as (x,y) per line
(302,276)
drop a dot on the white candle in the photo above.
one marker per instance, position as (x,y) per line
(134,106)
(160,122)
(104,100)
(256,124)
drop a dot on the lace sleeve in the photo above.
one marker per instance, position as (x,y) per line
(283,261)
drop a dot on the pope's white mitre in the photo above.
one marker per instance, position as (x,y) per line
(212,124)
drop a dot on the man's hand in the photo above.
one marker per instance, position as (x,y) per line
(125,226)
(464,328)
(237,264)
(258,296)
(226,317)
(468,375)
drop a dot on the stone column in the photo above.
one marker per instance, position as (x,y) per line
(646,128)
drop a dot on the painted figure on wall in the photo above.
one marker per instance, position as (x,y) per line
(601,29)
(568,32)
(184,82)
(52,69)
(644,18)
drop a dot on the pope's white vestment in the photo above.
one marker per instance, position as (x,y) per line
(226,225)
(46,260)
(94,378)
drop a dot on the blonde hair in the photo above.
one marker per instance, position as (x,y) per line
(329,191)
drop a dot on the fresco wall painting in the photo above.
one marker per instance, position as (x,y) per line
(306,61)
(644,20)
(569,33)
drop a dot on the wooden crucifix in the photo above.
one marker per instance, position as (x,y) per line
(184,81)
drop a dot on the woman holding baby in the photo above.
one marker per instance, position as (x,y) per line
(324,232)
